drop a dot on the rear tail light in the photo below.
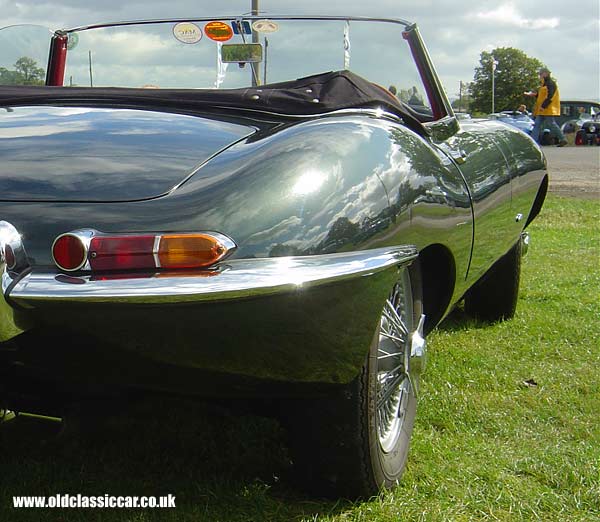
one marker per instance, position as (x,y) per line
(189,250)
(95,251)
(69,252)
(122,252)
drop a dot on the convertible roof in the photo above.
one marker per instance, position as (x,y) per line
(312,95)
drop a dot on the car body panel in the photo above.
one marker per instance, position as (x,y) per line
(94,154)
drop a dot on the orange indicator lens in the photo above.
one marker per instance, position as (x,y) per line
(189,251)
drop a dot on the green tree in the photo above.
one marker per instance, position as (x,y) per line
(29,71)
(515,73)
(464,100)
(26,72)
(8,77)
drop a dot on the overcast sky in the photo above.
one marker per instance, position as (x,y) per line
(562,34)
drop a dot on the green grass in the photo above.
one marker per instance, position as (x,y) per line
(508,426)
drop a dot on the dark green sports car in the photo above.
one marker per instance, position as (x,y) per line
(277,208)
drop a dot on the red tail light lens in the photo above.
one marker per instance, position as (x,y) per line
(69,252)
(123,253)
(106,252)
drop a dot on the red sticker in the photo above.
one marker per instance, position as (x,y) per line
(218,31)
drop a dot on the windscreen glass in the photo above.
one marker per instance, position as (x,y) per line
(23,54)
(196,54)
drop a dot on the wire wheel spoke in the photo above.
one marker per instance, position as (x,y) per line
(393,381)
(389,387)
(394,325)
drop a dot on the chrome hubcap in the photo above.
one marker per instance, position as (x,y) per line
(418,354)
(400,360)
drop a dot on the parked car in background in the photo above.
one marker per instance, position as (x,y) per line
(520,120)
(574,112)
(577,114)
(236,208)
(589,132)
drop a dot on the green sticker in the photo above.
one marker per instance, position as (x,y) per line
(72,41)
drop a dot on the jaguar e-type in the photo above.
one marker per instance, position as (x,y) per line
(278,208)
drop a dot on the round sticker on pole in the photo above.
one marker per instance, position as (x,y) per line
(265,26)
(218,31)
(187,32)
(73,40)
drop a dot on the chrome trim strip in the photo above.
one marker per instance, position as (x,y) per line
(260,16)
(525,242)
(155,248)
(234,280)
(377,112)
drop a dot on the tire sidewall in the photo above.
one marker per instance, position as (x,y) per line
(387,468)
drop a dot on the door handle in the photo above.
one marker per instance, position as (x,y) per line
(458,155)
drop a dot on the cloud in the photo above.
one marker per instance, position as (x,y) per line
(507,14)
(455,31)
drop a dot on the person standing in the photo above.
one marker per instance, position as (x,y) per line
(547,106)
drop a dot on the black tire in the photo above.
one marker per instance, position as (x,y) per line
(494,297)
(347,444)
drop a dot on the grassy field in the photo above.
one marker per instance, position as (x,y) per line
(508,426)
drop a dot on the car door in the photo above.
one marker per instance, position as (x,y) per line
(470,144)
(488,177)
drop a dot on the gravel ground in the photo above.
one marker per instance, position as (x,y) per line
(574,171)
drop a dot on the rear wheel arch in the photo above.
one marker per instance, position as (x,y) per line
(539,201)
(494,297)
(354,441)
(438,276)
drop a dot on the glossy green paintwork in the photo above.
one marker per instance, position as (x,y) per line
(336,183)
(278,186)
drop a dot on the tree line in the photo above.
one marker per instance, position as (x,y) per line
(511,71)
(25,72)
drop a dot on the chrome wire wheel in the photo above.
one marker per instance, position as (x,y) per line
(394,383)
(365,427)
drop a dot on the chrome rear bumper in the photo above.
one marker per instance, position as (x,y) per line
(234,280)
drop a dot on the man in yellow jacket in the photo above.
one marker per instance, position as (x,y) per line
(546,107)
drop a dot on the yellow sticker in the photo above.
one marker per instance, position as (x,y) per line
(218,31)
(187,32)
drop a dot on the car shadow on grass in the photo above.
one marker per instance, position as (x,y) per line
(220,463)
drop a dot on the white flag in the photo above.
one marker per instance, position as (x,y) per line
(221,67)
(347,45)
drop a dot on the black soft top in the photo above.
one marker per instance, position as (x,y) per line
(311,95)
